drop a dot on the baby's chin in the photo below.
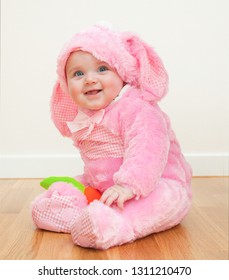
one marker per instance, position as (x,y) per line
(96,107)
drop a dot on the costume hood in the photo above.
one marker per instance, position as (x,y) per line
(135,61)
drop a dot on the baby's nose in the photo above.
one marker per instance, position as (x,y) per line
(91,78)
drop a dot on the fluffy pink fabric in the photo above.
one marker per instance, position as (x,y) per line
(152,164)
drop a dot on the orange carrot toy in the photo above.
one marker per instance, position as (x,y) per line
(90,193)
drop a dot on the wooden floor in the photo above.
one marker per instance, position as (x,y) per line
(202,235)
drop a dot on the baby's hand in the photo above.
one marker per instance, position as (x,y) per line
(116,194)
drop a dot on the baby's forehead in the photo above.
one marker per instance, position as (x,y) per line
(83,55)
(83,58)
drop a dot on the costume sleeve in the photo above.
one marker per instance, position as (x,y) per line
(146,142)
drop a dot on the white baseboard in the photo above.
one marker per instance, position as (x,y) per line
(209,164)
(40,166)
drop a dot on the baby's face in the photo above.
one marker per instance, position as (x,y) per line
(92,84)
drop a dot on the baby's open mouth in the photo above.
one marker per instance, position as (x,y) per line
(92,92)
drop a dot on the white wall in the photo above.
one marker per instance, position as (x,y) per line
(190,36)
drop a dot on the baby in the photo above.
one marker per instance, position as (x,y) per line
(106,99)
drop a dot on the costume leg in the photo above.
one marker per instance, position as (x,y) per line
(101,227)
(164,208)
(57,208)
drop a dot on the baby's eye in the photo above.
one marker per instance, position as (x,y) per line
(103,68)
(78,73)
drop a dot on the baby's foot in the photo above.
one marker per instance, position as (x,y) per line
(99,226)
(83,230)
(56,211)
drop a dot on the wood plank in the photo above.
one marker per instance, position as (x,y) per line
(202,235)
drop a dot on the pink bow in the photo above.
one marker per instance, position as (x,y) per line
(82,121)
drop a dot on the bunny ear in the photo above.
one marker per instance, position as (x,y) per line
(63,109)
(152,76)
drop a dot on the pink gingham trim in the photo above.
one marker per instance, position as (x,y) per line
(56,213)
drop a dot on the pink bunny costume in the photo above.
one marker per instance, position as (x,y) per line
(129,143)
